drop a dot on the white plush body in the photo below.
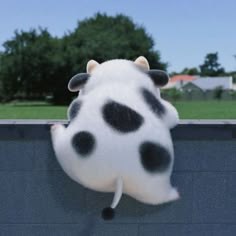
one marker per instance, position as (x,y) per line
(116,155)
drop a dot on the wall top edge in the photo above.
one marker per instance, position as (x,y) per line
(50,122)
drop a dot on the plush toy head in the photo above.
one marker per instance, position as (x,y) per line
(118,138)
(99,73)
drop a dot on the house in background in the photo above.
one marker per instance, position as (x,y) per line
(201,88)
(194,83)
(178,81)
(209,83)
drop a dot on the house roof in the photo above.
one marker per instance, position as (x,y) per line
(204,83)
(182,78)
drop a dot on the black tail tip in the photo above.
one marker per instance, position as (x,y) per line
(108,213)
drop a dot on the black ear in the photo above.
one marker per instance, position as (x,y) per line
(159,77)
(77,81)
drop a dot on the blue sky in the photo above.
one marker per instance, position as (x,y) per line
(184,30)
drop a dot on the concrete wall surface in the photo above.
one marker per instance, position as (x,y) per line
(37,198)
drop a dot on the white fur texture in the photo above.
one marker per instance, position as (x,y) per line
(116,155)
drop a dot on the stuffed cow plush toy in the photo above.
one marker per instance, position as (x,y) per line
(118,138)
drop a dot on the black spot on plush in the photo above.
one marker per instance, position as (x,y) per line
(83,143)
(154,157)
(77,80)
(108,213)
(121,117)
(74,109)
(153,103)
(159,77)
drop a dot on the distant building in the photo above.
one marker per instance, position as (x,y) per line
(197,83)
(210,83)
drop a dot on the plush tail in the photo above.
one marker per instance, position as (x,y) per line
(108,213)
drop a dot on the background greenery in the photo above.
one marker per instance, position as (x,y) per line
(187,110)
(34,66)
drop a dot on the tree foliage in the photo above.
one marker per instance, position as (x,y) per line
(190,71)
(211,66)
(218,92)
(104,37)
(27,64)
(174,94)
(35,64)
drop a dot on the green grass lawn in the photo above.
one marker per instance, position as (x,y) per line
(207,109)
(187,110)
(32,111)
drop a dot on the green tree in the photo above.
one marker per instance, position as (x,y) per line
(233,74)
(190,71)
(27,64)
(218,92)
(35,64)
(105,37)
(211,66)
(174,94)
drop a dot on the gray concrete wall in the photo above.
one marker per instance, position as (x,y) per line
(37,198)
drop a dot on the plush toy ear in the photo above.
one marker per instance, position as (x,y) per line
(77,81)
(159,77)
(91,65)
(142,62)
